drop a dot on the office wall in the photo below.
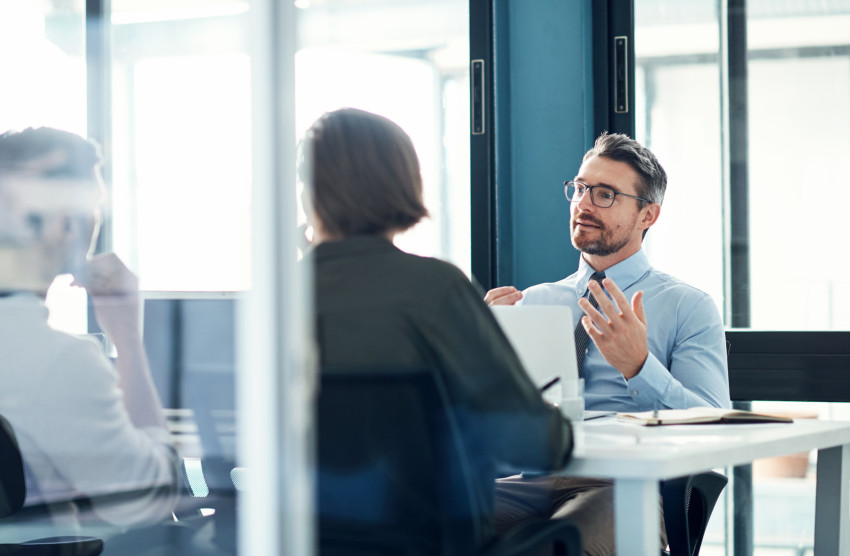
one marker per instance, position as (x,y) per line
(543,126)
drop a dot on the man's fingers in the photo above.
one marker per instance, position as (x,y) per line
(592,331)
(504,295)
(637,306)
(606,306)
(592,315)
(616,292)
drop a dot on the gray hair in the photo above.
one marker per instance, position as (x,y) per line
(622,148)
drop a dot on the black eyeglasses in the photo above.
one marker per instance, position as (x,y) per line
(600,195)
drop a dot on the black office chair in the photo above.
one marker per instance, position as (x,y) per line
(394,476)
(12,495)
(688,503)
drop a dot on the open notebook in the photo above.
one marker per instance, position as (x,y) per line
(542,336)
(701,415)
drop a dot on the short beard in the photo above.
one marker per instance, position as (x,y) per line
(601,247)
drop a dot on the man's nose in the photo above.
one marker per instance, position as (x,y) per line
(585,204)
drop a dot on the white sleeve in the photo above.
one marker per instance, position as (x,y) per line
(87,437)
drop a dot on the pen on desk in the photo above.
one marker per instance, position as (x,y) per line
(550,384)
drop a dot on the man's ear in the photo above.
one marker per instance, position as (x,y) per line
(651,212)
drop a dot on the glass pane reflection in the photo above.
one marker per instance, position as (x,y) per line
(97,457)
(678,117)
(407,61)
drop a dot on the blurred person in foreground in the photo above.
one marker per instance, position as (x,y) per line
(377,306)
(92,435)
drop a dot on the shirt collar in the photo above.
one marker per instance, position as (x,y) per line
(625,273)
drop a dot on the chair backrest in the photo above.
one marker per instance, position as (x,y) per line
(798,366)
(688,503)
(392,472)
(210,396)
(13,487)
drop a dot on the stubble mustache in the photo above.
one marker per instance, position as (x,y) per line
(586,220)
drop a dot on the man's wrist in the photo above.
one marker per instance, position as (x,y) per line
(632,372)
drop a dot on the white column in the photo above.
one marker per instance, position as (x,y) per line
(636,519)
(275,375)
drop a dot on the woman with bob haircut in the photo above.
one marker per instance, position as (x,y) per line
(377,306)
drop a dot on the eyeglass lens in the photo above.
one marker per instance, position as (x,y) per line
(601,196)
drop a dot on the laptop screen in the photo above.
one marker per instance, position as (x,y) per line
(542,336)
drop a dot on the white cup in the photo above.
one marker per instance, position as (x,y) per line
(572,407)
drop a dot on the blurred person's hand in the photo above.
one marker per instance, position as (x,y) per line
(114,291)
(505,295)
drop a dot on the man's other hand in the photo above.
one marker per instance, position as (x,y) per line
(505,295)
(618,328)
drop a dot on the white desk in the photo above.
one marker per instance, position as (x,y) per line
(638,457)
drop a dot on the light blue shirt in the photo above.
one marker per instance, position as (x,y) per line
(686,366)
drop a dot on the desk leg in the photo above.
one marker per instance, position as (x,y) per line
(832,499)
(636,512)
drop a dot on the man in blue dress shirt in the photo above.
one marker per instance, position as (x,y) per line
(654,341)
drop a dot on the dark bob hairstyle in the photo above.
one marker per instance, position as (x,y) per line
(362,174)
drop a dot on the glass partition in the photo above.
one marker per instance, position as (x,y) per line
(799,93)
(121,355)
(407,61)
(798,103)
(678,114)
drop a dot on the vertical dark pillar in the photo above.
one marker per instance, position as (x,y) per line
(739,264)
(614,67)
(482,129)
(739,164)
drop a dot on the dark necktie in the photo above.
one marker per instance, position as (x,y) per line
(581,337)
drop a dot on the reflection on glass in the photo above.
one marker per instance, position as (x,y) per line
(182,143)
(799,93)
(96,451)
(678,117)
(45,84)
(799,102)
(799,90)
(45,79)
(182,140)
(177,209)
(407,62)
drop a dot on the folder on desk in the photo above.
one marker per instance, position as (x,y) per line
(700,415)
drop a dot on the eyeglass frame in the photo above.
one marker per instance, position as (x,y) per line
(590,189)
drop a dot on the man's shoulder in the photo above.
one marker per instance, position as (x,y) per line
(673,294)
(551,292)
(669,284)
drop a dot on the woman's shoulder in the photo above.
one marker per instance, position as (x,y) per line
(431,269)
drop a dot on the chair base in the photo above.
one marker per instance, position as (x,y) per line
(55,546)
